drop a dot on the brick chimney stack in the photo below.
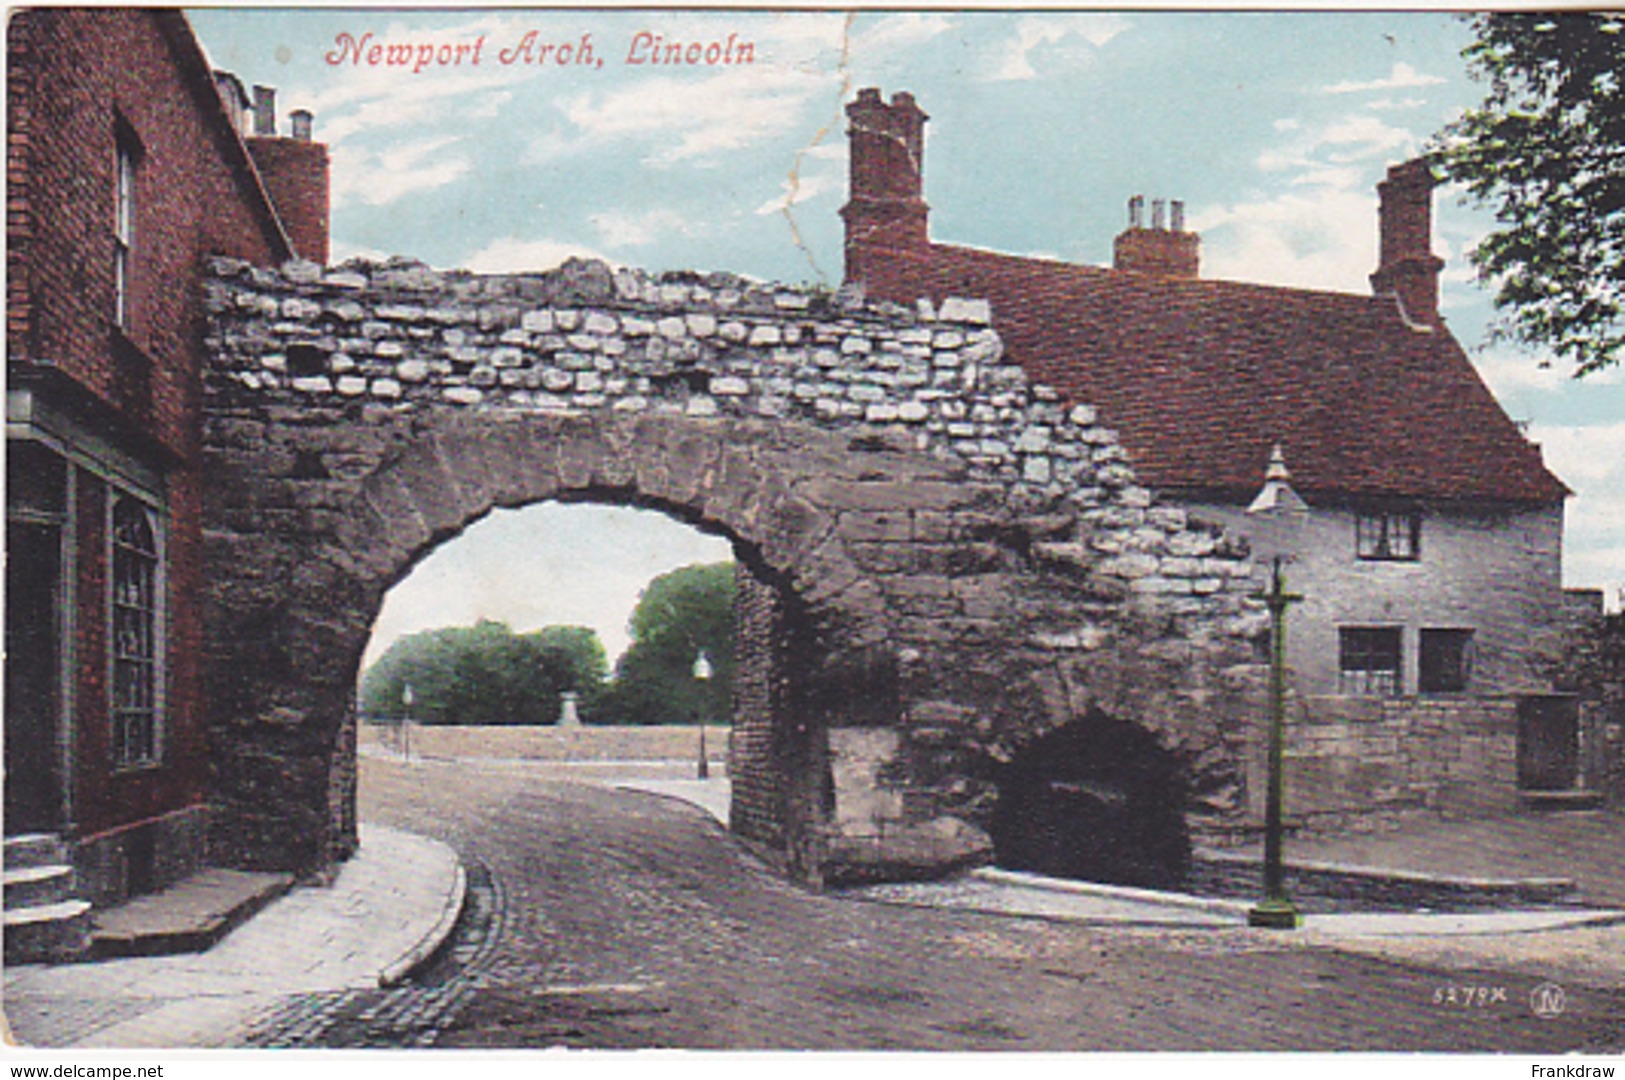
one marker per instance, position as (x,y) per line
(1165,248)
(885,201)
(1407,267)
(295,171)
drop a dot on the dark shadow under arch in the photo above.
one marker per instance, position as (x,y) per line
(1097,799)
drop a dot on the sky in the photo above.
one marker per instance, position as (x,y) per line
(1272,128)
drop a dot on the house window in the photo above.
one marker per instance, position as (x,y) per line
(137,627)
(1368,660)
(1445,659)
(129,156)
(1388,535)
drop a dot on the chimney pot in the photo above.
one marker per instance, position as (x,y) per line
(302,121)
(1158,250)
(264,110)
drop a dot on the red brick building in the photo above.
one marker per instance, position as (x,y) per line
(1430,558)
(128,162)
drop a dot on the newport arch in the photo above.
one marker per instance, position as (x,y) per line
(941,562)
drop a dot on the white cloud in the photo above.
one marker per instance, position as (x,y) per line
(366,98)
(622,229)
(1395,105)
(1320,240)
(805,189)
(339,251)
(1356,138)
(1014,61)
(699,118)
(379,178)
(900,31)
(512,255)
(1402,77)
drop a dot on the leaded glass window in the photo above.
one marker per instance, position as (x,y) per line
(136,629)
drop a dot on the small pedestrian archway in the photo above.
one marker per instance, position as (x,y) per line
(938,559)
(1097,799)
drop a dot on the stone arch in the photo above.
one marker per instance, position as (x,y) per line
(946,560)
(293,600)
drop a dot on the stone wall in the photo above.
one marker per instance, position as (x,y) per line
(1357,759)
(1592,667)
(1495,571)
(954,555)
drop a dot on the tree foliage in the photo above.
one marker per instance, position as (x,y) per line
(1547,150)
(678,614)
(485,674)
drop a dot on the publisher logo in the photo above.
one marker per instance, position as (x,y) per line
(1547,1000)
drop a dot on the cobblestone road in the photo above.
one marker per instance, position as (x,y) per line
(612,919)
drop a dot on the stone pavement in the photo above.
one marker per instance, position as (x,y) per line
(1588,846)
(385,911)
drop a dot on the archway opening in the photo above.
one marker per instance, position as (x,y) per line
(1097,800)
(558,615)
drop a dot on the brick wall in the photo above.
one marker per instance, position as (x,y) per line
(756,811)
(295,172)
(79,82)
(77,75)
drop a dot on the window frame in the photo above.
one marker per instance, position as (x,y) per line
(1464,656)
(144,617)
(1388,535)
(127,155)
(1368,680)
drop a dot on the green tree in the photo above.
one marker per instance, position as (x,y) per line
(1547,150)
(483,674)
(679,614)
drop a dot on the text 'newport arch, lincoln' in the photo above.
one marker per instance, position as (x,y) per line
(940,561)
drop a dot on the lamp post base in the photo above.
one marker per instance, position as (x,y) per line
(1276,913)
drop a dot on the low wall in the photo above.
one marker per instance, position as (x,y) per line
(673,743)
(1354,758)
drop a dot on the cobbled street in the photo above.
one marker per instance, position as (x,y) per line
(609,919)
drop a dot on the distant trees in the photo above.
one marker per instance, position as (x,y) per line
(485,674)
(679,614)
(1547,150)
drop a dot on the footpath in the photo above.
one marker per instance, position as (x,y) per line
(384,913)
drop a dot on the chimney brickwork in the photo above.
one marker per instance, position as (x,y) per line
(1161,249)
(1407,267)
(886,204)
(296,174)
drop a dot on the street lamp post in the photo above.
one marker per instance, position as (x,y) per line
(406,722)
(702,675)
(1278,514)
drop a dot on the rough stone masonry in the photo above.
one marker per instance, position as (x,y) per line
(941,560)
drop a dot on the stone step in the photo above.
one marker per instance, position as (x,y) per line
(188,916)
(34,849)
(47,933)
(33,886)
(1570,799)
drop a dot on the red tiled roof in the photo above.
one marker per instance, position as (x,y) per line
(1200,377)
